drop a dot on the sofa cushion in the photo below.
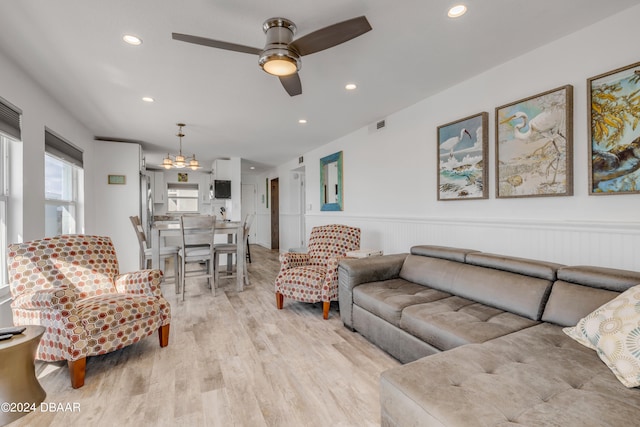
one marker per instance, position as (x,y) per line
(581,289)
(388,298)
(454,321)
(517,293)
(108,312)
(613,330)
(568,302)
(535,377)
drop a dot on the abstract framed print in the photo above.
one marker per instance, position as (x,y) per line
(462,158)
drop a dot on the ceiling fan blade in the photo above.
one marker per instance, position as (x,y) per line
(330,36)
(216,43)
(292,84)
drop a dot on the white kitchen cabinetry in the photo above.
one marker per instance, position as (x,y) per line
(159,187)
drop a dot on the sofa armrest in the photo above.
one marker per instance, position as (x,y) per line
(54,299)
(353,272)
(65,337)
(143,282)
(292,260)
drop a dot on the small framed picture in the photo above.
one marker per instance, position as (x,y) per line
(614,133)
(534,145)
(462,154)
(117,179)
(183,177)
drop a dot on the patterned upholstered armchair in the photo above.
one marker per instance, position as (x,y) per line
(71,285)
(313,277)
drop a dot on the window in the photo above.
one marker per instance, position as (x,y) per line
(10,132)
(182,197)
(64,179)
(4,203)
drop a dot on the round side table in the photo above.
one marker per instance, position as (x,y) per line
(20,390)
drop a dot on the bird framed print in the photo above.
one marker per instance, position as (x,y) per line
(534,145)
(462,154)
(614,134)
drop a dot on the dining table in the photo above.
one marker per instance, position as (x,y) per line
(233,229)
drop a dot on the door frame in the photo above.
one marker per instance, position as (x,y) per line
(274,186)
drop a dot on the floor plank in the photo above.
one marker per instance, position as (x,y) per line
(233,360)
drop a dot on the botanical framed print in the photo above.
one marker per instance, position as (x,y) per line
(614,134)
(462,158)
(534,145)
(183,177)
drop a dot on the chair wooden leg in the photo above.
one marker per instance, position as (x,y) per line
(183,278)
(279,300)
(245,274)
(176,272)
(216,269)
(76,371)
(325,309)
(163,334)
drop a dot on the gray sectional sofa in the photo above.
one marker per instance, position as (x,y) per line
(481,338)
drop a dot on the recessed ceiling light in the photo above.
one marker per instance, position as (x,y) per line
(457,11)
(132,40)
(302,121)
(148,99)
(252,167)
(350,86)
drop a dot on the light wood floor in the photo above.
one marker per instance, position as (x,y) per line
(232,360)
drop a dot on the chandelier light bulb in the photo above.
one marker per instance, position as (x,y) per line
(167,163)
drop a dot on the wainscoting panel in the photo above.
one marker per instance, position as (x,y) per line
(615,245)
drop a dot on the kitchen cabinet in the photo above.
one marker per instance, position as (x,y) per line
(159,187)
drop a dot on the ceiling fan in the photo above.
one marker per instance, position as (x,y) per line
(281,54)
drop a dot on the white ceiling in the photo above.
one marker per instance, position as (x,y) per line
(74,49)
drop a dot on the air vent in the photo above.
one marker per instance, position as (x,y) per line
(380,124)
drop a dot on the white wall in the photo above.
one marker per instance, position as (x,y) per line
(390,181)
(39,110)
(115,202)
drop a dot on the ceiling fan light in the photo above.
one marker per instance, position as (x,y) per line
(279,65)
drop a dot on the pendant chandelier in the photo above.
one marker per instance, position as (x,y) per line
(180,161)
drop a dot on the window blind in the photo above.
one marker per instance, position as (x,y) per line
(57,146)
(10,120)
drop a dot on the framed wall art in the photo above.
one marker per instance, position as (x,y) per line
(614,134)
(534,145)
(117,179)
(462,158)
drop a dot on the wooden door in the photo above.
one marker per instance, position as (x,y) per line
(275,214)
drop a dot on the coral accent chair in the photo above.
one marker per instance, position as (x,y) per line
(71,285)
(313,277)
